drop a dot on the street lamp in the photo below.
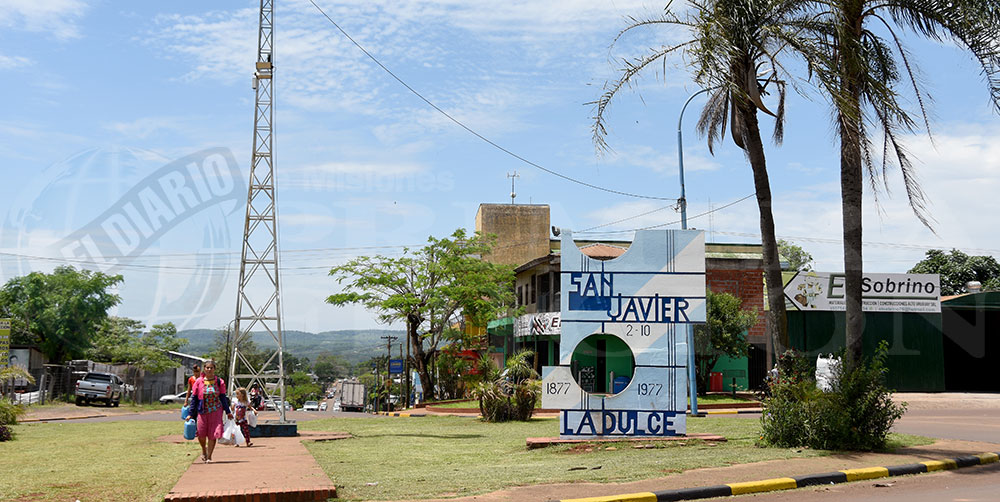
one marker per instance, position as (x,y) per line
(682,203)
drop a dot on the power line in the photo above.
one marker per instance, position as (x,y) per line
(733,203)
(469,129)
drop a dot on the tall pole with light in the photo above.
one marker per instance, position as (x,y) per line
(682,203)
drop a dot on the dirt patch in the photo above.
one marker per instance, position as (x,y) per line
(31,497)
(63,486)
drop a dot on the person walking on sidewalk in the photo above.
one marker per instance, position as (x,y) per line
(190,383)
(208,401)
(242,410)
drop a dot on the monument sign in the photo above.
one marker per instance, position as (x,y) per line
(623,348)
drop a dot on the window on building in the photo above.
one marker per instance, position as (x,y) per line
(544,295)
(520,296)
(555,291)
(534,283)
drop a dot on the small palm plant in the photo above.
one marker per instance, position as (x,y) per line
(510,394)
(10,411)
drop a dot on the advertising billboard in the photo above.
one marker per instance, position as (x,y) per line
(824,291)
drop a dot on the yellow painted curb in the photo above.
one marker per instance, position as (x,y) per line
(628,497)
(940,465)
(866,473)
(988,458)
(763,486)
(721,412)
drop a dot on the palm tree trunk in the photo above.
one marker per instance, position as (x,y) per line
(851,197)
(851,180)
(777,322)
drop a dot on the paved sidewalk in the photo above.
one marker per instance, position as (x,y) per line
(273,469)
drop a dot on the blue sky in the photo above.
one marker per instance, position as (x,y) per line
(101,95)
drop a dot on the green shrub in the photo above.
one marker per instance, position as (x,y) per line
(9,412)
(510,394)
(856,414)
(8,417)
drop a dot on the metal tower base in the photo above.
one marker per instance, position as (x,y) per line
(275,429)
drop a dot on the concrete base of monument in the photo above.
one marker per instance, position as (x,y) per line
(275,429)
(543,442)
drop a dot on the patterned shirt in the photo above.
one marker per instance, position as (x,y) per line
(212,401)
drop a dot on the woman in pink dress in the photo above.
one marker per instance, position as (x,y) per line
(208,402)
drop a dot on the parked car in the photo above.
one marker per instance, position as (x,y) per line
(322,406)
(96,386)
(272,404)
(310,406)
(174,398)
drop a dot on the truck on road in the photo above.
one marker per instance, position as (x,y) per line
(96,386)
(352,395)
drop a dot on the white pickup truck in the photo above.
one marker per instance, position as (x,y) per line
(99,387)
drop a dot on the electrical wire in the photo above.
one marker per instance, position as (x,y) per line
(733,203)
(469,129)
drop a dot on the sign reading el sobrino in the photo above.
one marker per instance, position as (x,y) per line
(824,291)
(623,350)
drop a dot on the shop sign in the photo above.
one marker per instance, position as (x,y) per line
(824,291)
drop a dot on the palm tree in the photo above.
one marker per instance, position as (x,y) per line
(863,74)
(732,42)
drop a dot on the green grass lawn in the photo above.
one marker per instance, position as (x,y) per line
(110,461)
(441,456)
(722,399)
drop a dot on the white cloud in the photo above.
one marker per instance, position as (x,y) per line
(13,62)
(385,169)
(143,127)
(319,70)
(56,17)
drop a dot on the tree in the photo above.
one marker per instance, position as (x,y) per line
(123,340)
(300,388)
(957,269)
(723,334)
(329,367)
(862,77)
(798,258)
(731,41)
(60,312)
(429,289)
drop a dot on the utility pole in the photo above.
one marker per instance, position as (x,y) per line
(258,299)
(512,192)
(388,376)
(406,364)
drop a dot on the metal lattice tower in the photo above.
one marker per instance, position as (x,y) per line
(258,302)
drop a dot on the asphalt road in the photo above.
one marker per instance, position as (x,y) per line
(966,424)
(969,484)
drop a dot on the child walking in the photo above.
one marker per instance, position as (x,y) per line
(240,410)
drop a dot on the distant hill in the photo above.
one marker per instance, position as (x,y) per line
(354,345)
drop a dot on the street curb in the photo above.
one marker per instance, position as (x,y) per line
(32,420)
(400,414)
(729,411)
(775,484)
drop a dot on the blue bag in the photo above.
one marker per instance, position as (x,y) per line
(186,411)
(190,429)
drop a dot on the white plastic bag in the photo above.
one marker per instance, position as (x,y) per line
(826,366)
(251,418)
(231,434)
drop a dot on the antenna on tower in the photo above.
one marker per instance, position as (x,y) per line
(512,192)
(258,299)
